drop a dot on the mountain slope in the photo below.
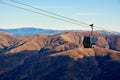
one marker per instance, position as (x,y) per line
(59,57)
(67,65)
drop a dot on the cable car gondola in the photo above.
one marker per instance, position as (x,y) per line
(90,41)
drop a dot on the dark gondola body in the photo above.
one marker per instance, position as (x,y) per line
(89,41)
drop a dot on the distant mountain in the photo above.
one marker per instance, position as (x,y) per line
(59,57)
(108,32)
(33,31)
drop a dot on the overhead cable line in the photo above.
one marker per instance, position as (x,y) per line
(54,15)
(44,14)
(58,15)
(50,12)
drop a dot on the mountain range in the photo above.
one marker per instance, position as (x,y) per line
(32,31)
(59,56)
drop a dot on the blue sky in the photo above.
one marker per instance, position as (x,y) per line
(104,13)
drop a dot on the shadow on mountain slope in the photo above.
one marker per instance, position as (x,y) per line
(10,61)
(46,67)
